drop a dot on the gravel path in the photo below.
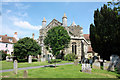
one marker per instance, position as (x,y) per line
(8,70)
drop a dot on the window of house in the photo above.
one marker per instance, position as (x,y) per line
(10,40)
(0,38)
(6,45)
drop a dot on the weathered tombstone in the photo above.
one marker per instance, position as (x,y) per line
(111,67)
(96,65)
(30,59)
(38,58)
(83,67)
(86,68)
(118,65)
(15,66)
(25,74)
(106,65)
(76,62)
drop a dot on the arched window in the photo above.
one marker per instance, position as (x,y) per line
(74,48)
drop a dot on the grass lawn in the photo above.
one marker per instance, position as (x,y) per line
(63,71)
(9,65)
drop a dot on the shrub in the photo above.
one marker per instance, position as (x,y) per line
(70,57)
(3,55)
(53,60)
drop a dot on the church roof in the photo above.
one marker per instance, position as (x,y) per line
(54,21)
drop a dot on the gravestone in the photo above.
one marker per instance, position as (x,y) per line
(30,59)
(96,65)
(83,67)
(15,66)
(89,68)
(118,65)
(38,58)
(25,74)
(111,67)
(106,65)
(76,62)
(86,68)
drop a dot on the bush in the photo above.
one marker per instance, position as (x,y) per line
(70,57)
(3,55)
(53,61)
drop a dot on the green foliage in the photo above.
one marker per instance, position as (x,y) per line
(115,4)
(55,60)
(70,57)
(25,47)
(57,39)
(3,55)
(104,33)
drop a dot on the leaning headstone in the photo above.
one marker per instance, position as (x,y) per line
(30,59)
(76,62)
(96,65)
(15,66)
(25,74)
(106,65)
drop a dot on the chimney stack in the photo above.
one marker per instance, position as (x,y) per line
(15,35)
(5,34)
(33,36)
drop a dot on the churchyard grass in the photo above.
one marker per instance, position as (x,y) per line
(9,65)
(61,71)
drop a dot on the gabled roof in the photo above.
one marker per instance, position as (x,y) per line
(86,36)
(5,39)
(90,49)
(54,21)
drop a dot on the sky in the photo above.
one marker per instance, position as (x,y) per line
(26,18)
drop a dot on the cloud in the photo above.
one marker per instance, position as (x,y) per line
(8,11)
(27,25)
(21,6)
(11,1)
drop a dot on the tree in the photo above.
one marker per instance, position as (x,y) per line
(2,55)
(57,39)
(25,47)
(104,33)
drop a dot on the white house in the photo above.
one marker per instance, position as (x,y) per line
(6,43)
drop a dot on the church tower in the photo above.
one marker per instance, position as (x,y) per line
(44,22)
(64,20)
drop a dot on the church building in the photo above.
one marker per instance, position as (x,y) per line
(79,44)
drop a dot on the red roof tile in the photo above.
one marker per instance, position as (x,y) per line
(5,39)
(86,36)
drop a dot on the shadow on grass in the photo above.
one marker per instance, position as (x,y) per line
(52,66)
